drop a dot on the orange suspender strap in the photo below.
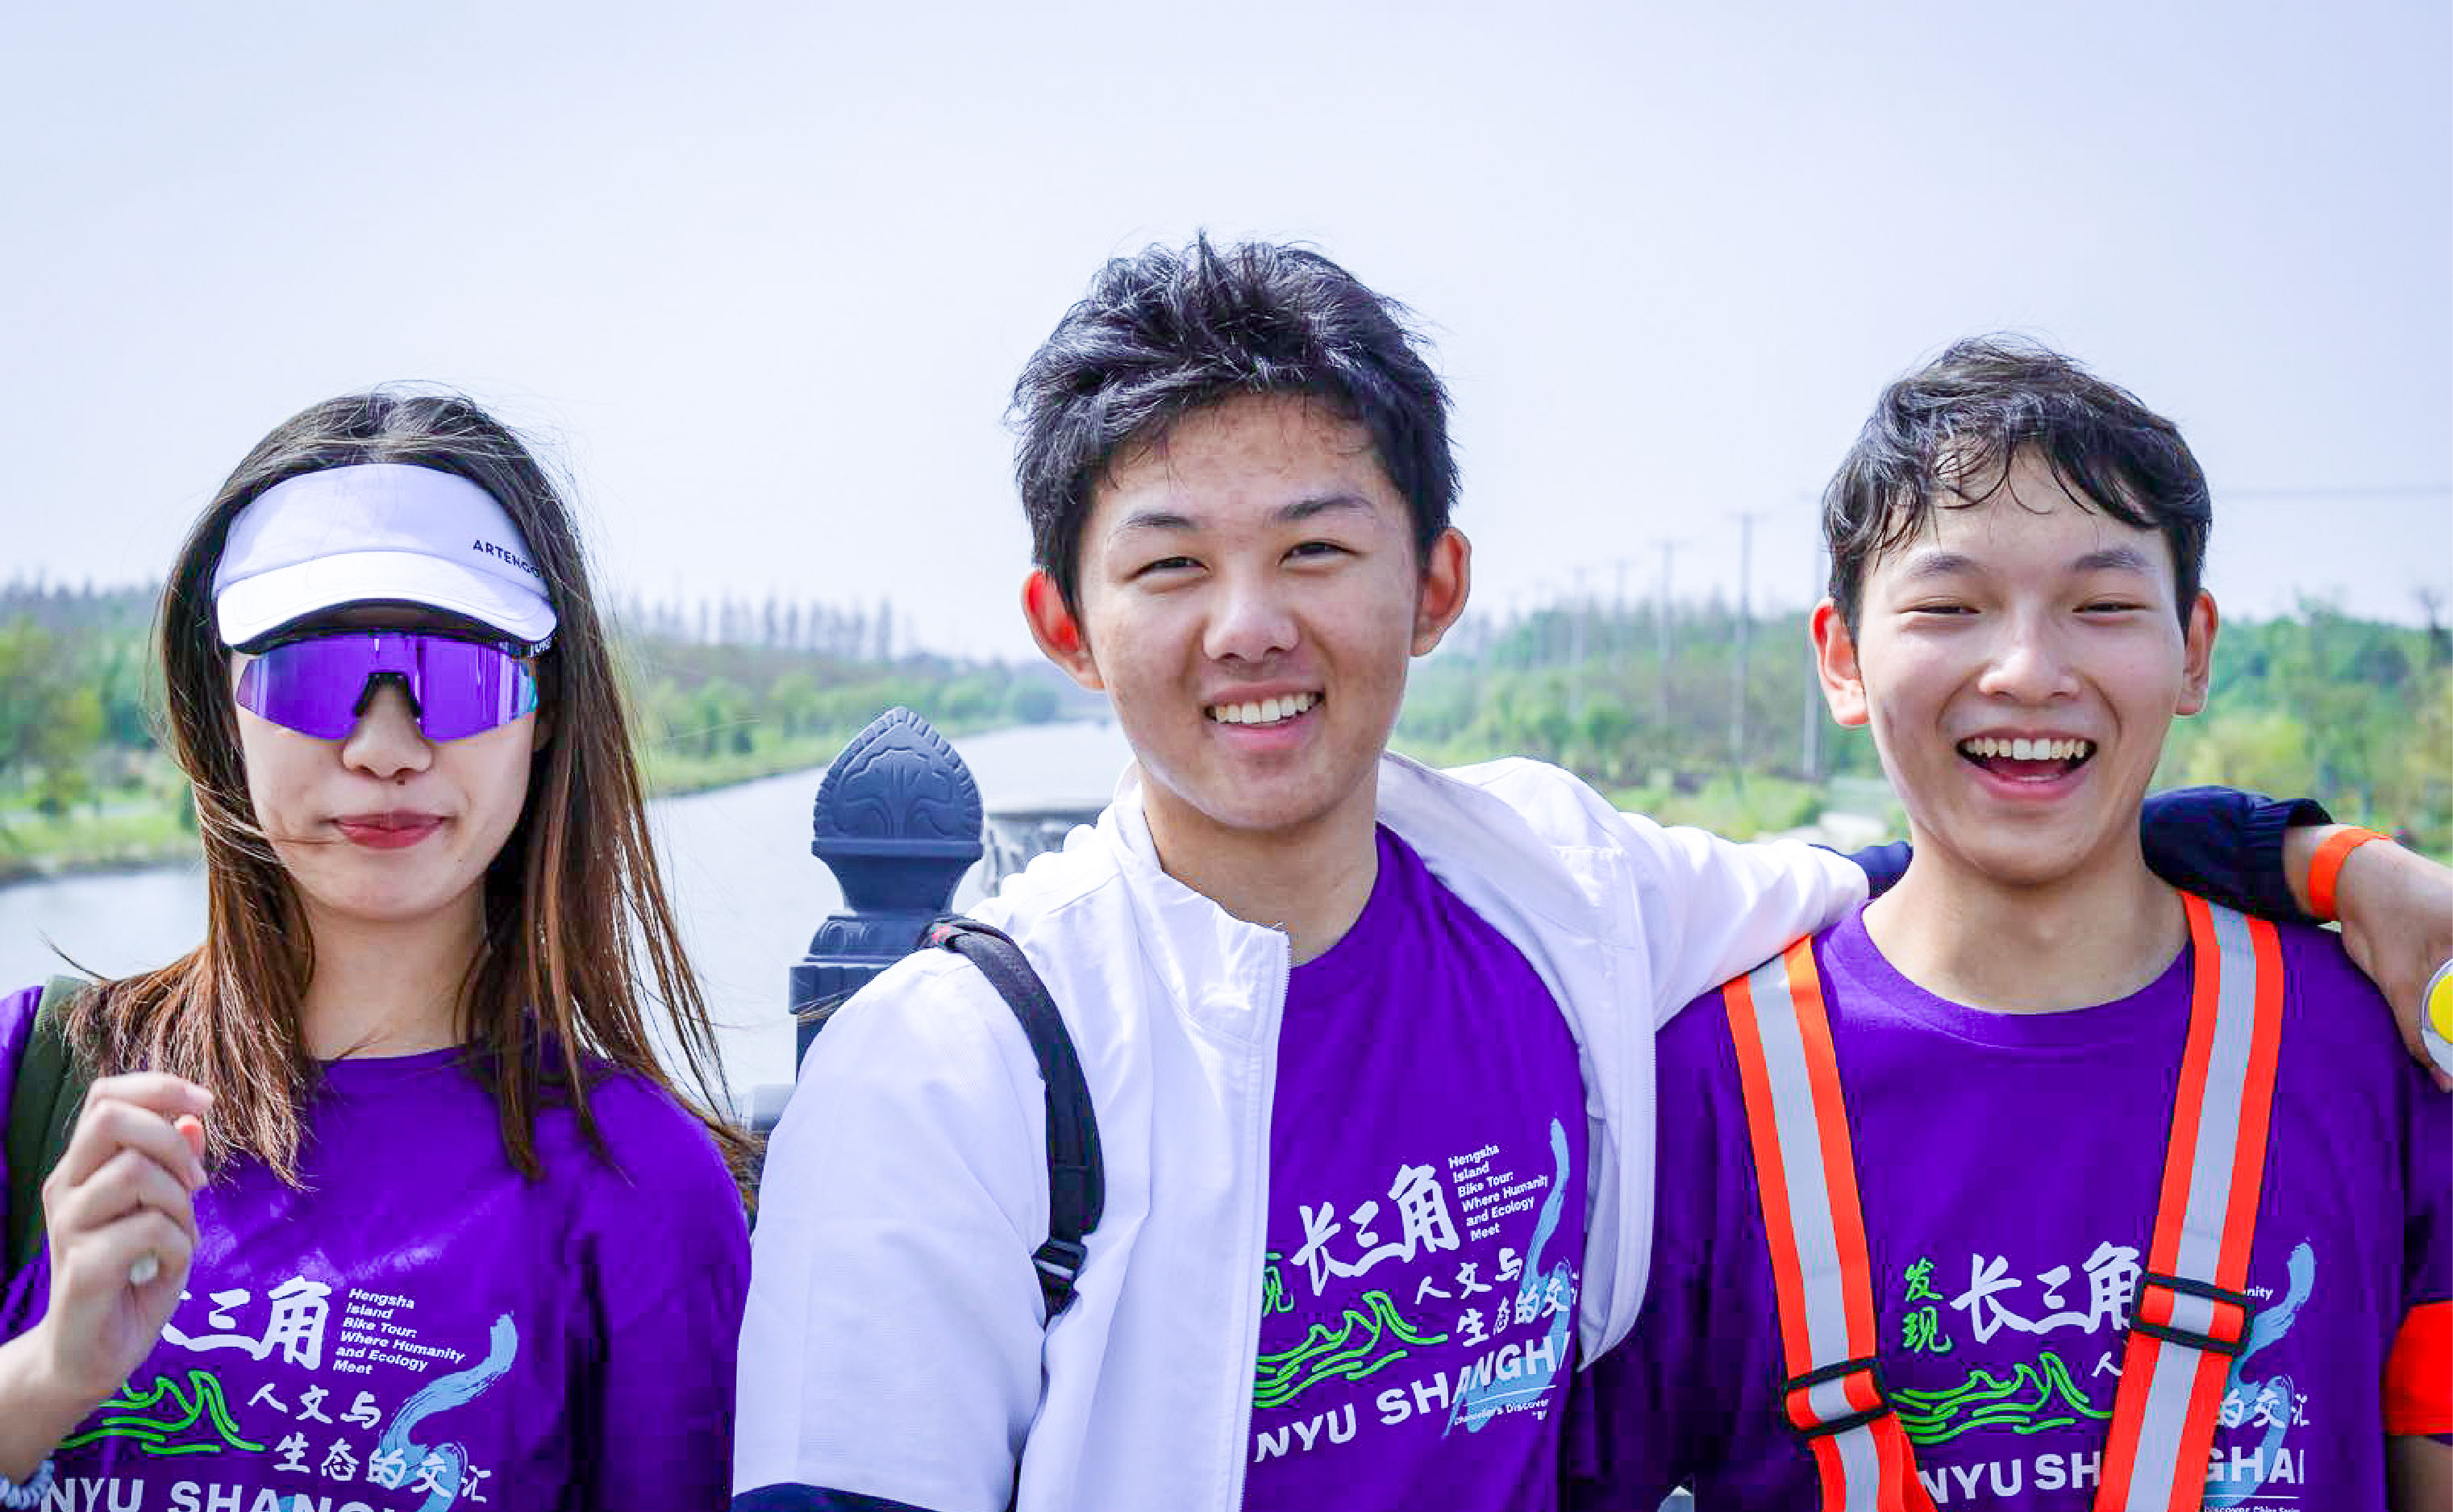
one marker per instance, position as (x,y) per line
(2189,1318)
(2185,1329)
(1806,1174)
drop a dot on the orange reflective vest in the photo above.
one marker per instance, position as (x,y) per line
(2188,1316)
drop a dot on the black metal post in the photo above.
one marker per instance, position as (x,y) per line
(897,821)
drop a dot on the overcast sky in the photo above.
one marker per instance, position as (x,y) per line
(762,276)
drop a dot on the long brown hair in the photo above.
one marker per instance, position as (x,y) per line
(579,938)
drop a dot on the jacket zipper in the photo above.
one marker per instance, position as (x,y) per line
(1255,1235)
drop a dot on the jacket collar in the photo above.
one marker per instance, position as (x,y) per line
(1478,845)
(1230,976)
(1481,846)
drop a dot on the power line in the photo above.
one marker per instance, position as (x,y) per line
(2365,490)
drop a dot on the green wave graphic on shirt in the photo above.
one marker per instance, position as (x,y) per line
(165,1420)
(2035,1398)
(1350,1352)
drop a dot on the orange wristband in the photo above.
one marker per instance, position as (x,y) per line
(2327,868)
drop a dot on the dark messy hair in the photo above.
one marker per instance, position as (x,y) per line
(1947,436)
(581,951)
(1167,332)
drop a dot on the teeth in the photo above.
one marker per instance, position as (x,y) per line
(1263,712)
(1986,747)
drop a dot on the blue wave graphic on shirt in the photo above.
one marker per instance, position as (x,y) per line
(441,1394)
(1482,1398)
(2272,1323)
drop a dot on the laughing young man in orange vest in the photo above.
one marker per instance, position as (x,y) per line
(2036,1184)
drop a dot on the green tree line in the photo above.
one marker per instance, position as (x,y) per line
(2355,713)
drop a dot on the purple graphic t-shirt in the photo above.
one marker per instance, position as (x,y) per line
(422,1328)
(1426,1218)
(2009,1165)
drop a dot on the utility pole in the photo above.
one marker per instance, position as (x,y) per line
(1660,639)
(1738,683)
(1809,750)
(1618,613)
(1576,647)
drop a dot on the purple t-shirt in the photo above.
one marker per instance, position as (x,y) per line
(423,1327)
(2009,1166)
(1426,1218)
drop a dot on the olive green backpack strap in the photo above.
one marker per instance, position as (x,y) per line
(43,1107)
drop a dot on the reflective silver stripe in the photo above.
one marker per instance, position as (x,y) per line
(2194,1314)
(1860,1467)
(1808,1197)
(2215,1154)
(2218,1132)
(1830,1398)
(1808,1202)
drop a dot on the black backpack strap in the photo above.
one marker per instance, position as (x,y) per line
(44,1103)
(1076,1180)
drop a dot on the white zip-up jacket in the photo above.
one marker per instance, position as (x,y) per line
(894,1343)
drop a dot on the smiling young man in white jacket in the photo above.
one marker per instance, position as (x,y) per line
(1369,1045)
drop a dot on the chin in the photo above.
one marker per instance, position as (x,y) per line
(2040,862)
(386,898)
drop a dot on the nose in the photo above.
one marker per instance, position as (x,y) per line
(2028,661)
(1250,620)
(387,741)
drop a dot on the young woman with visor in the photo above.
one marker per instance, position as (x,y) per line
(380,1199)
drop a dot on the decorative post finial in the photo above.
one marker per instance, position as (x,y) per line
(898,822)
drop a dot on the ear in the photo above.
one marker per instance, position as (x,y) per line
(2198,654)
(1835,663)
(1054,626)
(1447,580)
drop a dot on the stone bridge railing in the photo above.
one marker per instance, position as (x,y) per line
(898,820)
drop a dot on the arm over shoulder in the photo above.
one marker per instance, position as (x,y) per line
(1713,907)
(891,1342)
(2225,845)
(1709,908)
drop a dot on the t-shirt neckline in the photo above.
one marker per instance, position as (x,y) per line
(1360,949)
(1850,951)
(372,1073)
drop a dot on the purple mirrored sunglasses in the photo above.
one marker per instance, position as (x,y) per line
(318,683)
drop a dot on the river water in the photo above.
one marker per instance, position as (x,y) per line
(737,866)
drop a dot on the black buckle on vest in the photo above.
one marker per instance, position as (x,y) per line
(1798,1401)
(1060,1264)
(2213,1344)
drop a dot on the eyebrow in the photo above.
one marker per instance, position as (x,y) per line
(1953,564)
(2114,559)
(1295,513)
(1937,564)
